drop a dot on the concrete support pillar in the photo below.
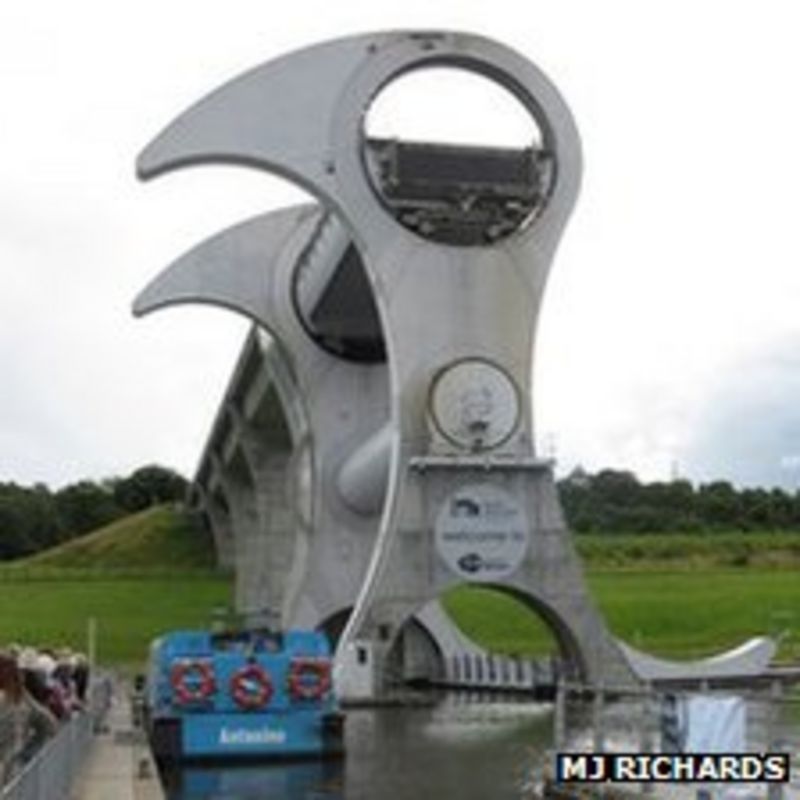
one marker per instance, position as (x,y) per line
(272,524)
(219,520)
(253,596)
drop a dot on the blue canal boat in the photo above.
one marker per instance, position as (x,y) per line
(238,695)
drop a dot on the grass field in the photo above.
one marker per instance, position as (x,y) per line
(142,575)
(683,551)
(676,614)
(129,612)
(671,594)
(681,615)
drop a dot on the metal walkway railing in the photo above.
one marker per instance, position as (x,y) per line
(50,774)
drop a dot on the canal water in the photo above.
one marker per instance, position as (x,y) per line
(464,748)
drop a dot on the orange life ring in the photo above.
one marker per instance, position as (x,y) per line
(192,681)
(251,687)
(309,678)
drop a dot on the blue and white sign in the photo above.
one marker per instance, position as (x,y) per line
(481,533)
(292,732)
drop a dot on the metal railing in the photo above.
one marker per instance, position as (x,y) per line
(50,774)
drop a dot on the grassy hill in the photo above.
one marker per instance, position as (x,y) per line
(159,538)
(140,576)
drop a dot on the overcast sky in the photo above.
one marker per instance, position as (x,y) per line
(669,336)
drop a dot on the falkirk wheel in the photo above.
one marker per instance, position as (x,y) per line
(402,308)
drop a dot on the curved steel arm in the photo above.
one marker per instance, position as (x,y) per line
(233,269)
(749,659)
(276,117)
(301,116)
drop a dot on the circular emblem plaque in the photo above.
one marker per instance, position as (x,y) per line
(474,404)
(481,533)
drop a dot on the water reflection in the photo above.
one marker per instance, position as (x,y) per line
(463,747)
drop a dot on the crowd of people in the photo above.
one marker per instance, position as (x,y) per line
(40,689)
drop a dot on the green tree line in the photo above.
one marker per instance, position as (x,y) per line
(35,518)
(615,501)
(609,501)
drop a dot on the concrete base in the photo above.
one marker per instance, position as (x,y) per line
(408,573)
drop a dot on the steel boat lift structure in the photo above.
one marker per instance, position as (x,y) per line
(377,446)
